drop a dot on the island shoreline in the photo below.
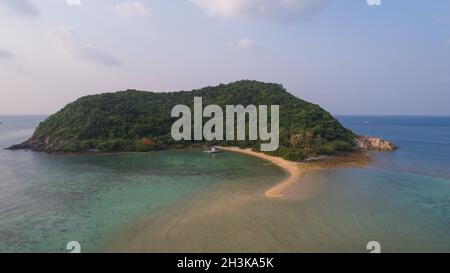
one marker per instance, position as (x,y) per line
(160,232)
(295,170)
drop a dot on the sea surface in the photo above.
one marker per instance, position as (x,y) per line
(191,201)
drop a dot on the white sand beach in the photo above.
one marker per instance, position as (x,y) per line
(294,170)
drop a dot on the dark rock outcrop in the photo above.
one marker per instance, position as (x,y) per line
(34,144)
(374,144)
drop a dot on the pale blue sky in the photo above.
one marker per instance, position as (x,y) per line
(347,56)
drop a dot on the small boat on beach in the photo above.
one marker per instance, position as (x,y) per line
(213,150)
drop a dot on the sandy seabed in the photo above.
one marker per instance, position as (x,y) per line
(224,218)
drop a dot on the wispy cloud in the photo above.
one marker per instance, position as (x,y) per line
(134,8)
(73,2)
(276,9)
(20,7)
(245,43)
(5,54)
(75,45)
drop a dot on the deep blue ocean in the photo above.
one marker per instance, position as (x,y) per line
(424,142)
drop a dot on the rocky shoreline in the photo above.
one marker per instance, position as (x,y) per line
(363,144)
(374,144)
(34,145)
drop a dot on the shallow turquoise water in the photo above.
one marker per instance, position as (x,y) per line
(49,200)
(402,200)
(403,212)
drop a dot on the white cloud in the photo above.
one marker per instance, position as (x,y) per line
(5,54)
(76,46)
(278,9)
(245,43)
(19,7)
(226,8)
(135,8)
(73,2)
(374,2)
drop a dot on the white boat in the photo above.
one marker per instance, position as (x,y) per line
(213,150)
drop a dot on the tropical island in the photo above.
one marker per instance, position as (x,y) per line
(140,121)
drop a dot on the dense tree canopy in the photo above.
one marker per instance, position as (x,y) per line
(141,121)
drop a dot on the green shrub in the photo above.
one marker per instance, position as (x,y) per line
(327,149)
(342,146)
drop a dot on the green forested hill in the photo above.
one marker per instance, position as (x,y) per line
(141,121)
